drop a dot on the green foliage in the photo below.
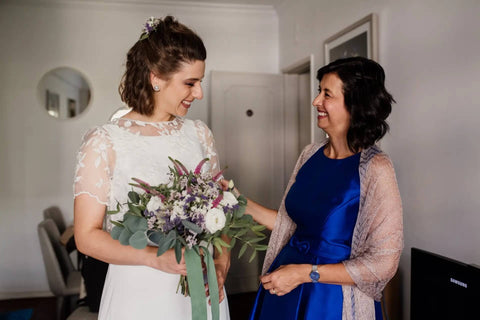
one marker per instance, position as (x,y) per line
(155,236)
(135,223)
(138,240)
(191,226)
(134,197)
(114,211)
(124,237)
(167,242)
(178,251)
(116,231)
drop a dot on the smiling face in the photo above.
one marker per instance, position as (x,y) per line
(333,116)
(178,92)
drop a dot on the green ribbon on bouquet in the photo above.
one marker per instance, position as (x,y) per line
(196,285)
(212,284)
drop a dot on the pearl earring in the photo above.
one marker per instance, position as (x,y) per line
(156,88)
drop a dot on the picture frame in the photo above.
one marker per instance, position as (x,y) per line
(358,39)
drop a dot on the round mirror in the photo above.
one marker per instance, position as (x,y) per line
(64,93)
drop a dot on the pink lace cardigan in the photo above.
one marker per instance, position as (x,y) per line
(377,238)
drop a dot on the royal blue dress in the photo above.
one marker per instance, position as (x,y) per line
(323,202)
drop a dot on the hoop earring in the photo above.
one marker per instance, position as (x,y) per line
(156,88)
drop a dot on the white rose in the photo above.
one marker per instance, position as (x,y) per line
(154,204)
(214,220)
(228,199)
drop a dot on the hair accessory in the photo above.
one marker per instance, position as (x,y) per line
(156,88)
(149,26)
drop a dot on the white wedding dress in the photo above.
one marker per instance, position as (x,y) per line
(108,158)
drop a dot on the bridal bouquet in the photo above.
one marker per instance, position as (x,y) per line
(190,211)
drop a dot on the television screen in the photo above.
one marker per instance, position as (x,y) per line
(442,288)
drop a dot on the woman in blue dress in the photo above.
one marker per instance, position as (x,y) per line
(338,235)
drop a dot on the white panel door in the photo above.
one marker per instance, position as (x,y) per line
(247,121)
(248,125)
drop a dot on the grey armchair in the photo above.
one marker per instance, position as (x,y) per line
(63,280)
(56,215)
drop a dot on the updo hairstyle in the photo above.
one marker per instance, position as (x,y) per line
(366,99)
(162,52)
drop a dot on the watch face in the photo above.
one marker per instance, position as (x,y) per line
(314,276)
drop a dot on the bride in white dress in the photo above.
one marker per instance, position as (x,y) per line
(162,79)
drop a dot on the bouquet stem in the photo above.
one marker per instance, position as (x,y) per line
(183,284)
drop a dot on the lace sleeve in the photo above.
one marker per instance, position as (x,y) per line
(208,144)
(379,240)
(95,160)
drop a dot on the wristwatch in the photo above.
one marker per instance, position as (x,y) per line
(314,275)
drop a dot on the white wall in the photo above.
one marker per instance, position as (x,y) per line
(37,152)
(430,52)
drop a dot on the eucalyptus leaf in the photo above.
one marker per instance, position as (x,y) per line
(182,241)
(192,226)
(134,223)
(114,211)
(240,212)
(178,251)
(228,219)
(116,223)
(260,234)
(225,230)
(254,254)
(261,247)
(138,240)
(116,230)
(223,243)
(217,244)
(133,209)
(248,218)
(156,236)
(242,232)
(124,237)
(255,240)
(242,250)
(232,243)
(258,227)
(167,242)
(242,201)
(134,197)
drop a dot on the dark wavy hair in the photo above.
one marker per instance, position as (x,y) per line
(366,99)
(162,52)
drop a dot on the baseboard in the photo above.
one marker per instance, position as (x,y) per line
(25,295)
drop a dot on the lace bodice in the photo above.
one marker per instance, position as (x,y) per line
(112,154)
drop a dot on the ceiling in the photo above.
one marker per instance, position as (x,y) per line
(274,3)
(250,2)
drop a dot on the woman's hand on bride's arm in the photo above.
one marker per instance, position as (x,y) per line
(167,262)
(259,213)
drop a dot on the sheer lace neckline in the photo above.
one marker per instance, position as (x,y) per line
(147,128)
(125,120)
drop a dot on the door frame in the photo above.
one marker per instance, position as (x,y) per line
(305,65)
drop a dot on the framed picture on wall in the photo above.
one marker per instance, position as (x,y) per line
(358,39)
